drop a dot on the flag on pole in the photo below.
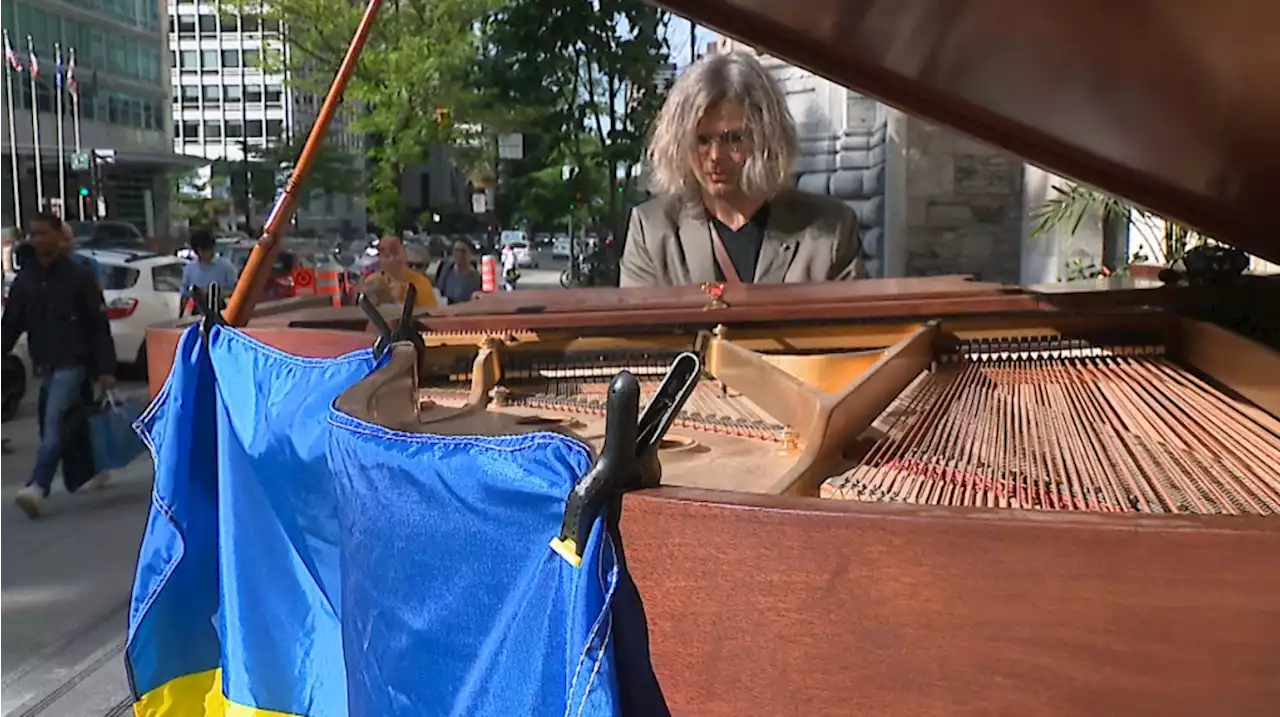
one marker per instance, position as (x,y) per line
(57,65)
(10,56)
(35,64)
(72,86)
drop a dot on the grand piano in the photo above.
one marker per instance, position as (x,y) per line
(938,496)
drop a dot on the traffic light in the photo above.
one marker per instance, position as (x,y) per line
(84,191)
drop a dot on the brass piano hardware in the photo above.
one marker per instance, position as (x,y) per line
(715,296)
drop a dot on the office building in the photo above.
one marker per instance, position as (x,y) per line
(229,107)
(124,108)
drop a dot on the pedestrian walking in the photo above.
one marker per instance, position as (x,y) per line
(56,301)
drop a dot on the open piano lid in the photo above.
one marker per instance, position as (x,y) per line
(1171,104)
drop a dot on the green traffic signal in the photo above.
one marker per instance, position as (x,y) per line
(84,191)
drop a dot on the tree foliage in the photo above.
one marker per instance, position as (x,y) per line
(417,59)
(577,79)
(590,70)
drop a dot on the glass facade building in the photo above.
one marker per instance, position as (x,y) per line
(120,48)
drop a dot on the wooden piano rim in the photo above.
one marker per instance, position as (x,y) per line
(735,505)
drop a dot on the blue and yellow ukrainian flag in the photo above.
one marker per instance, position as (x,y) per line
(235,607)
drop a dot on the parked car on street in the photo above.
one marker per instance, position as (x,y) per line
(107,233)
(525,258)
(141,288)
(560,247)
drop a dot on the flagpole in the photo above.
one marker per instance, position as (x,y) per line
(35,124)
(62,154)
(74,87)
(13,141)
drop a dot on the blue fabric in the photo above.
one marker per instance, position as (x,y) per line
(454,603)
(239,564)
(59,391)
(115,444)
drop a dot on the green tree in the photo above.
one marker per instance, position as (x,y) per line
(418,58)
(1072,203)
(588,72)
(334,171)
(193,201)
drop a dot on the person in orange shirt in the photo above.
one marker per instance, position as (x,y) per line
(394,276)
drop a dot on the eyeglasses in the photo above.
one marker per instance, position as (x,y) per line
(729,139)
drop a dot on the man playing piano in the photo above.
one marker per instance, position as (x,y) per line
(720,157)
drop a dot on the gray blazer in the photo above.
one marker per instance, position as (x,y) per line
(809,237)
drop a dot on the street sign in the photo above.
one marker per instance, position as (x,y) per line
(511,146)
(80,161)
(478,203)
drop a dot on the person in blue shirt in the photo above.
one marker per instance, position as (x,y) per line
(207,268)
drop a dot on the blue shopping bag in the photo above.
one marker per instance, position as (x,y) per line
(115,443)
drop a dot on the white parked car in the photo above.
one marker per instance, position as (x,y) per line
(141,289)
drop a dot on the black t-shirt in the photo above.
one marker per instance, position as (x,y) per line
(743,244)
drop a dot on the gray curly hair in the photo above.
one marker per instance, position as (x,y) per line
(770,129)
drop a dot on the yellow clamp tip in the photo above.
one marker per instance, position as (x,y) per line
(567,549)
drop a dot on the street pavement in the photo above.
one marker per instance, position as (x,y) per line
(64,584)
(65,578)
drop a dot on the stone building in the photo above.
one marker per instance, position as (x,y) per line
(930,201)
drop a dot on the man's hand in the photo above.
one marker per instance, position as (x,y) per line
(378,289)
(106,382)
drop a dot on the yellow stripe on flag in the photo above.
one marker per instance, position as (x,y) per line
(197,695)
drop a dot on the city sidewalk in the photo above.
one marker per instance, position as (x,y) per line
(65,582)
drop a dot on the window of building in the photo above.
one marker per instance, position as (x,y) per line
(234,129)
(212,130)
(230,58)
(190,129)
(249,24)
(250,58)
(230,23)
(255,128)
(151,116)
(190,95)
(275,128)
(212,95)
(208,24)
(275,95)
(186,24)
(177,130)
(173,59)
(253,94)
(270,24)
(132,67)
(189,60)
(209,60)
(115,58)
(232,94)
